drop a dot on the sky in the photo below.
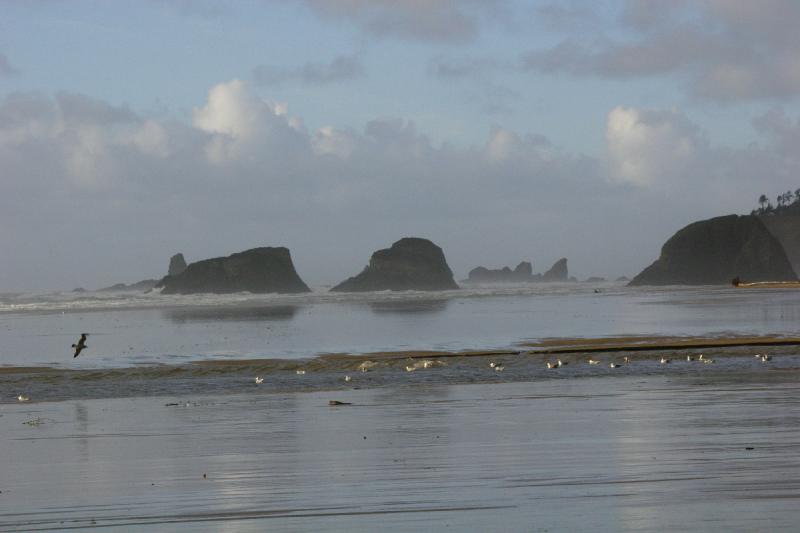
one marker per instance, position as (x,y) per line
(502,130)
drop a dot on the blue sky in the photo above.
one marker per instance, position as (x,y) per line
(504,130)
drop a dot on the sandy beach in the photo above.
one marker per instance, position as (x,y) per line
(625,453)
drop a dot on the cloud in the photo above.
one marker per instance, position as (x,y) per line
(6,69)
(647,147)
(245,172)
(237,121)
(340,68)
(424,20)
(727,50)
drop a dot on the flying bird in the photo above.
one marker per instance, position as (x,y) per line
(80,345)
(259,380)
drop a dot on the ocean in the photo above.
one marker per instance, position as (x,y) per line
(145,344)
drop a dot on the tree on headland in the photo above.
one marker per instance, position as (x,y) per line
(787,203)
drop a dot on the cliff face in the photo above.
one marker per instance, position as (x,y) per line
(410,264)
(259,270)
(786,228)
(715,251)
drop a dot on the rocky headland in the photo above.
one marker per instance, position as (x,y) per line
(260,270)
(410,264)
(714,251)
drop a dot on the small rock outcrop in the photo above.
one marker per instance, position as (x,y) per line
(177,264)
(260,270)
(144,285)
(523,273)
(410,264)
(714,251)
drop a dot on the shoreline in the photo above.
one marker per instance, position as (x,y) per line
(342,372)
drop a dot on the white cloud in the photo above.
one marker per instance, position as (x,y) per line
(239,121)
(329,140)
(246,173)
(648,147)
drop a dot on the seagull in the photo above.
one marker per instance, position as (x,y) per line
(708,361)
(494,364)
(259,380)
(689,358)
(347,378)
(765,358)
(80,345)
(499,368)
(366,365)
(614,365)
(552,366)
(23,398)
(758,356)
(562,363)
(300,372)
(410,368)
(626,360)
(664,361)
(700,358)
(593,361)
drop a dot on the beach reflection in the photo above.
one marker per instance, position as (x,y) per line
(234,314)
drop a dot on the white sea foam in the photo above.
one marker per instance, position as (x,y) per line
(101,300)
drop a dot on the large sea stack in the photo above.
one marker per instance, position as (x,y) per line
(259,270)
(714,251)
(410,264)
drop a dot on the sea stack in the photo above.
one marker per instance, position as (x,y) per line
(557,272)
(260,270)
(714,251)
(177,264)
(410,264)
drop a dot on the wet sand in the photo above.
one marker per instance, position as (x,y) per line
(623,453)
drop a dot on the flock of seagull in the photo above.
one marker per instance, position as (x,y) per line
(366,366)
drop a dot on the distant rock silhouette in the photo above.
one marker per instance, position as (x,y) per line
(410,264)
(622,278)
(177,264)
(557,272)
(523,273)
(144,285)
(260,270)
(595,279)
(714,251)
